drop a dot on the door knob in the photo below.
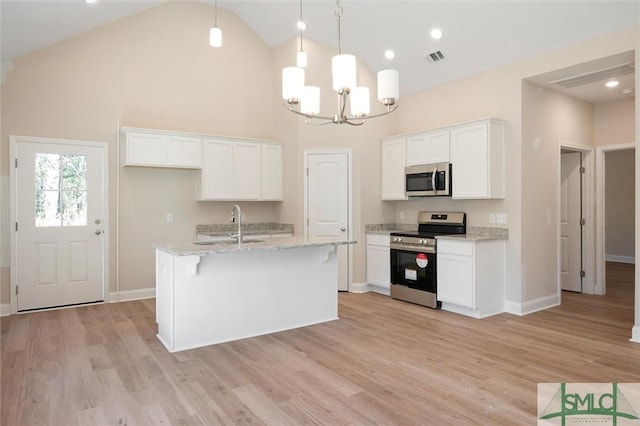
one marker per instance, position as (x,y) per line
(98,231)
(343,229)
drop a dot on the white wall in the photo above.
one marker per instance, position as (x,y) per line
(619,205)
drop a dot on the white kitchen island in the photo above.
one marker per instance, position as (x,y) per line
(208,294)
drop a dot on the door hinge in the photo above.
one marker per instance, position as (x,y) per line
(582,274)
(582,170)
(16,290)
(16,163)
(16,226)
(307,171)
(583,222)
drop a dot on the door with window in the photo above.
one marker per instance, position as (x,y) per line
(59,204)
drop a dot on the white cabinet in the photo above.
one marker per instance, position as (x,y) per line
(156,148)
(393,161)
(471,276)
(378,263)
(272,171)
(478,158)
(428,147)
(240,170)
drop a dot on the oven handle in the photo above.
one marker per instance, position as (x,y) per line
(434,180)
(413,249)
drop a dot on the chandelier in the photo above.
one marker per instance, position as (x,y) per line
(305,100)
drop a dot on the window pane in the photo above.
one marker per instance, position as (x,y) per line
(48,208)
(74,208)
(74,172)
(47,171)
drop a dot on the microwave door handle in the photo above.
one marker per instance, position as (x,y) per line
(434,180)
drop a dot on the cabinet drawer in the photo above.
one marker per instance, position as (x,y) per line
(455,247)
(378,239)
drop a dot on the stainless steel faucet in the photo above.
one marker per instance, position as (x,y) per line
(236,217)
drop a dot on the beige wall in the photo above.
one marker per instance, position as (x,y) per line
(614,122)
(148,70)
(619,204)
(549,120)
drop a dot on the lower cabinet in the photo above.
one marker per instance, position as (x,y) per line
(378,263)
(471,276)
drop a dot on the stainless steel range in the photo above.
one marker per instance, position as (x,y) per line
(414,257)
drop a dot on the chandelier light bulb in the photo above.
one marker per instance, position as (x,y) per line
(215,37)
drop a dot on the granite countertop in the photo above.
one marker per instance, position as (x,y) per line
(223,230)
(278,243)
(474,233)
(478,234)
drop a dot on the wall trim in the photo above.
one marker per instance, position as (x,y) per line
(620,259)
(380,289)
(359,288)
(129,295)
(635,334)
(532,306)
(5,309)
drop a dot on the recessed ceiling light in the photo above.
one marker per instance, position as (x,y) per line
(90,1)
(389,54)
(436,33)
(302,26)
(612,83)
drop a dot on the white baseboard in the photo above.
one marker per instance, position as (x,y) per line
(635,334)
(5,310)
(359,288)
(620,259)
(128,295)
(532,305)
(381,289)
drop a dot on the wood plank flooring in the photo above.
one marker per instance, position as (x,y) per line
(383,362)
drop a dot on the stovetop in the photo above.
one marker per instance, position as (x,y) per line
(418,234)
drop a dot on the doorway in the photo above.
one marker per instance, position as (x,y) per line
(328,204)
(616,210)
(59,199)
(575,222)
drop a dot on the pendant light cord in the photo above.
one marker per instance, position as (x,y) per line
(215,22)
(338,14)
(300,26)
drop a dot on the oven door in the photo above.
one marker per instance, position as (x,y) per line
(414,267)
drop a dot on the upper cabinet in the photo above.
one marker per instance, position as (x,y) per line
(155,148)
(478,158)
(240,170)
(428,147)
(393,162)
(475,149)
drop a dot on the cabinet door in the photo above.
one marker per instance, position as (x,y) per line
(456,273)
(437,147)
(217,173)
(378,268)
(145,149)
(417,150)
(183,151)
(470,158)
(247,170)
(272,172)
(393,160)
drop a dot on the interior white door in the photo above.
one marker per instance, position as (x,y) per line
(60,204)
(570,218)
(328,204)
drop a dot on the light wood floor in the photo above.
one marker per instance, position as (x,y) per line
(383,362)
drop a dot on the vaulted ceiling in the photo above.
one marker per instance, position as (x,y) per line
(477,35)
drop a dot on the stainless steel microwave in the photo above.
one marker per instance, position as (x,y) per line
(427,180)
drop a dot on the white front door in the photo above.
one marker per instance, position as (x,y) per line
(60,201)
(328,204)
(570,217)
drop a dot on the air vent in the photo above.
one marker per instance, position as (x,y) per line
(597,75)
(434,57)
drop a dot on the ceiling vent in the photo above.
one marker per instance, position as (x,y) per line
(596,75)
(434,57)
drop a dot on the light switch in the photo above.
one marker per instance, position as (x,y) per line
(492,218)
(501,218)
(169,217)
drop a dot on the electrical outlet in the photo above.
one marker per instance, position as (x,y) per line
(401,216)
(492,218)
(169,217)
(501,218)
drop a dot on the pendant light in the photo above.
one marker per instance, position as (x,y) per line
(215,33)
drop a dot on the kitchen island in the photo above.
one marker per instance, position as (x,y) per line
(214,292)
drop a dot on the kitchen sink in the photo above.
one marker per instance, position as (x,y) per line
(227,242)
